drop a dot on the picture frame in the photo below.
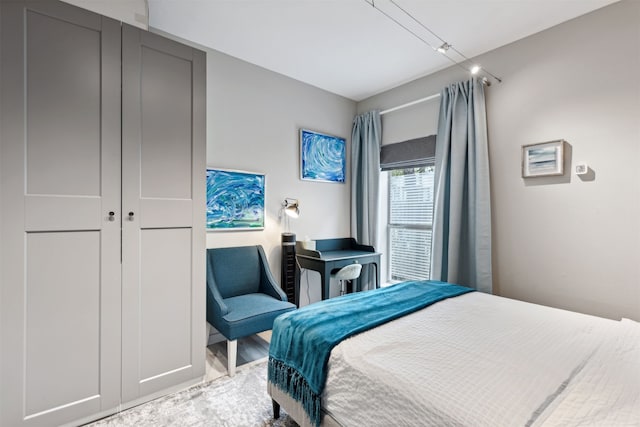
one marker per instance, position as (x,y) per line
(235,200)
(322,157)
(543,159)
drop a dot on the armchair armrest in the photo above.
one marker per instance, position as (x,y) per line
(268,284)
(216,308)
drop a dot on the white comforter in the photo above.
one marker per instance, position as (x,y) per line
(480,360)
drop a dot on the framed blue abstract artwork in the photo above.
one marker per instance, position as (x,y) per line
(235,200)
(322,157)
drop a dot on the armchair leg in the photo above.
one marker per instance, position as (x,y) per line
(276,409)
(232,353)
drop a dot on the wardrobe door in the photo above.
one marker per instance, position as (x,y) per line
(60,179)
(163,172)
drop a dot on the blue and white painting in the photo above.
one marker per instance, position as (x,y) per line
(235,200)
(322,157)
(543,159)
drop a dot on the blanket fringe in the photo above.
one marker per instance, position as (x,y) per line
(293,383)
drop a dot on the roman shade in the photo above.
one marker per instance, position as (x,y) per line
(412,153)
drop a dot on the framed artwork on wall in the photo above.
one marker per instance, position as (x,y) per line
(543,159)
(235,200)
(322,157)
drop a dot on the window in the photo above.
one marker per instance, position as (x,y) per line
(410,222)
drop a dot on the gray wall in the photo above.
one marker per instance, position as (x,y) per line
(253,121)
(568,242)
(417,120)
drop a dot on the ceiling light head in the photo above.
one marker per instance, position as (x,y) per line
(444,47)
(475,69)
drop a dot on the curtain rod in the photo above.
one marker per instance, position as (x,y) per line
(409,104)
(485,82)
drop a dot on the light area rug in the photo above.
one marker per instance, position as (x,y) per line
(241,401)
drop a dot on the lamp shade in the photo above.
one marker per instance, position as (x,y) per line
(291,207)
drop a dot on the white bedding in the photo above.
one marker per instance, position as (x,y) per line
(607,391)
(481,360)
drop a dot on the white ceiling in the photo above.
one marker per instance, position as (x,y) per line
(349,48)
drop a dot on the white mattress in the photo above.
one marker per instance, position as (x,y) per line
(481,360)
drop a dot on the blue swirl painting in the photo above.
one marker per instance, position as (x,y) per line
(235,200)
(323,157)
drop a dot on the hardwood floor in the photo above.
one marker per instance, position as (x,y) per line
(251,350)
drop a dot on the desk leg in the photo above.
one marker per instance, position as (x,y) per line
(325,280)
(377,274)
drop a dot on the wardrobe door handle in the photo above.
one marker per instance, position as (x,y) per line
(130,216)
(112,216)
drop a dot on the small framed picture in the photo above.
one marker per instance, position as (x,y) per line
(322,157)
(543,159)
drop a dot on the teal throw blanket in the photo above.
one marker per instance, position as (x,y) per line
(302,340)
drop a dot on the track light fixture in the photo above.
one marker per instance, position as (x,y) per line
(444,48)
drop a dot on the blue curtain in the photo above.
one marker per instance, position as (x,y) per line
(461,241)
(366,138)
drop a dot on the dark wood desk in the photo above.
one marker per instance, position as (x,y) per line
(333,254)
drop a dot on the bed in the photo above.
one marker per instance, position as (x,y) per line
(470,359)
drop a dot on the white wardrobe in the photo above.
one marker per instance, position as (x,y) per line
(102,214)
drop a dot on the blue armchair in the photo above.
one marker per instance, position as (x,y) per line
(243,298)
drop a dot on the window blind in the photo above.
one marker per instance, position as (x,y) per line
(410,222)
(410,253)
(411,196)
